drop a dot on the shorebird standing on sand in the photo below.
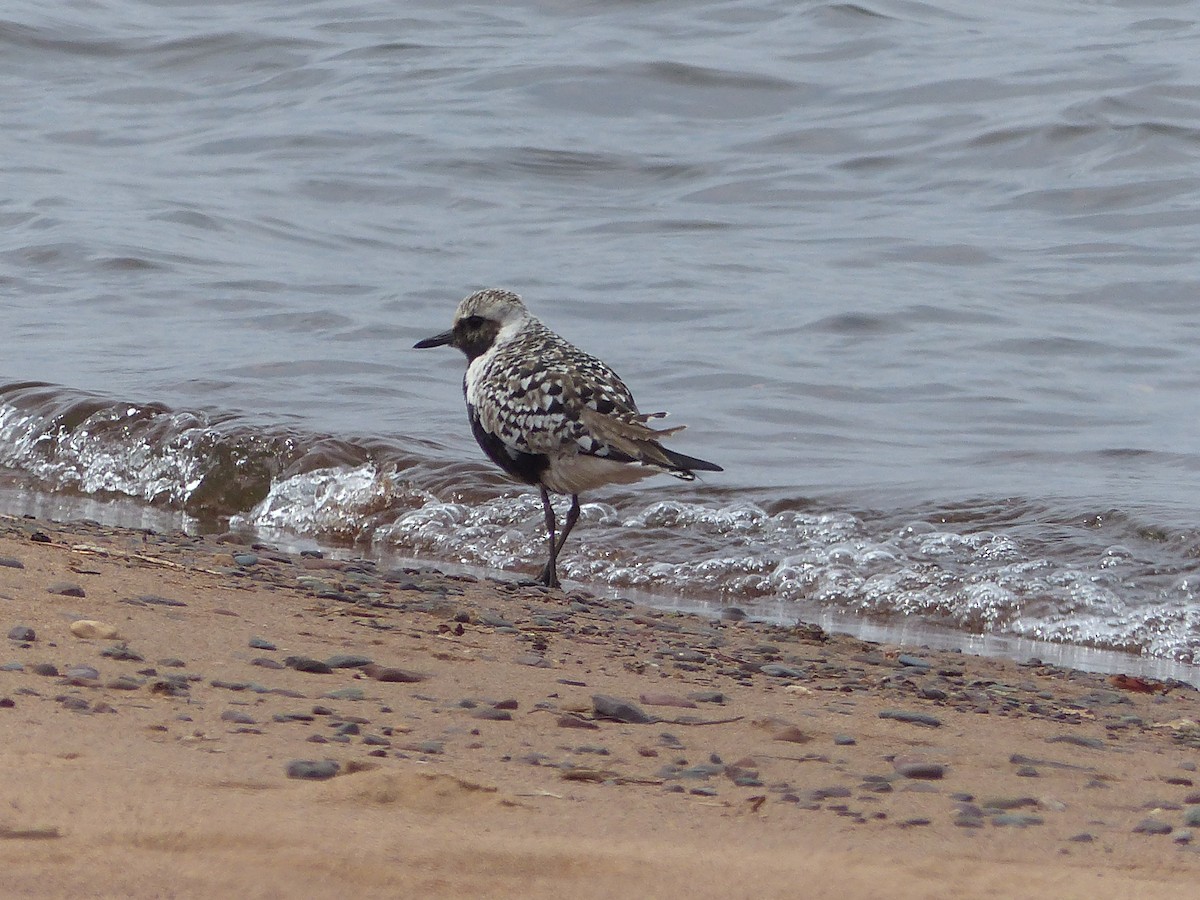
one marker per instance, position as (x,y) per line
(549,414)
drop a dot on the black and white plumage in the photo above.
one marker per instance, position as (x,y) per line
(549,414)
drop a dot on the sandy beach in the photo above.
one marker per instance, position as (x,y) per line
(199,717)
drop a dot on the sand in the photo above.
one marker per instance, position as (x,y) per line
(494,775)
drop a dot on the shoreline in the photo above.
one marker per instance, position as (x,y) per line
(268,724)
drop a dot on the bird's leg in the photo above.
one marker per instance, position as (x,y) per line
(549,576)
(568,524)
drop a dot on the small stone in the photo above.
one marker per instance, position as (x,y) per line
(348,661)
(9,562)
(314,770)
(392,674)
(262,644)
(914,718)
(172,662)
(91,629)
(844,740)
(1078,741)
(348,693)
(1153,826)
(535,660)
(238,717)
(48,669)
(776,670)
(66,589)
(40,537)
(573,721)
(308,664)
(708,697)
(606,707)
(1008,802)
(22,633)
(122,653)
(911,767)
(85,672)
(245,559)
(1082,838)
(1191,817)
(156,600)
(124,683)
(492,714)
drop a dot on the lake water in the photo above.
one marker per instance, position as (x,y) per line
(921,276)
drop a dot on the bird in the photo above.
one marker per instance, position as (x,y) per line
(551,415)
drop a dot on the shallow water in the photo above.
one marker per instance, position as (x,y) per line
(920,276)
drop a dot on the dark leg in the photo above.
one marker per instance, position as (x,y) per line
(549,576)
(568,524)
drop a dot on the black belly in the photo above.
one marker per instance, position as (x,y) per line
(526,467)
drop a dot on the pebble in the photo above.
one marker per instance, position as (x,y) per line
(156,600)
(87,672)
(1008,802)
(570,720)
(492,714)
(315,770)
(915,718)
(392,674)
(66,589)
(776,670)
(238,717)
(345,694)
(1191,817)
(245,559)
(124,683)
(91,628)
(844,740)
(348,661)
(308,664)
(266,662)
(22,633)
(45,669)
(1153,826)
(262,644)
(9,562)
(122,653)
(606,707)
(708,697)
(910,767)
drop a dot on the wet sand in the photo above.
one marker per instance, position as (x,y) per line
(261,724)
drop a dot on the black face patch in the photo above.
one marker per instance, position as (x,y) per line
(474,335)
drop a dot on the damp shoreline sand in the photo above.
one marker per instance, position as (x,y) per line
(491,738)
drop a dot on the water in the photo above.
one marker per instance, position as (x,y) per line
(921,276)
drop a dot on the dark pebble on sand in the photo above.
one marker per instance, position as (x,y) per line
(913,662)
(919,768)
(776,670)
(78,704)
(308,664)
(22,633)
(348,661)
(258,643)
(1191,818)
(124,683)
(122,653)
(156,600)
(1153,826)
(844,740)
(238,717)
(345,694)
(44,669)
(392,674)
(292,717)
(1082,838)
(707,697)
(266,662)
(40,537)
(914,718)
(532,659)
(245,559)
(66,589)
(616,709)
(492,714)
(7,702)
(733,614)
(172,662)
(375,740)
(348,728)
(9,562)
(87,672)
(313,769)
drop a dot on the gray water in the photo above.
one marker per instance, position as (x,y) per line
(921,276)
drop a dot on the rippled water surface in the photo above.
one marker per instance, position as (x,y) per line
(921,276)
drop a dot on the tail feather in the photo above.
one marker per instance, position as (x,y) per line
(690,464)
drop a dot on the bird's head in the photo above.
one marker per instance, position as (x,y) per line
(479,322)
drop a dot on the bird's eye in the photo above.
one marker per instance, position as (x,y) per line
(473,321)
